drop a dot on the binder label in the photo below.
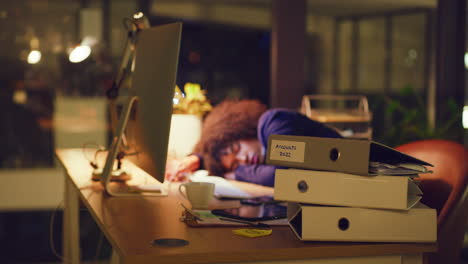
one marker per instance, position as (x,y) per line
(284,150)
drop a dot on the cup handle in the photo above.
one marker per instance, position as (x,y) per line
(181,192)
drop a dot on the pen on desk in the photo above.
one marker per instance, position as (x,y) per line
(245,222)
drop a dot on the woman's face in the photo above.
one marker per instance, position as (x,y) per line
(242,152)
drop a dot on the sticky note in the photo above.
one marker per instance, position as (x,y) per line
(252,232)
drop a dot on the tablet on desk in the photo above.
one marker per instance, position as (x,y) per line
(254,213)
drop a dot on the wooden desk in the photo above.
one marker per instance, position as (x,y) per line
(132,223)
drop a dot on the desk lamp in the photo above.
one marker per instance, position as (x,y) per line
(133,25)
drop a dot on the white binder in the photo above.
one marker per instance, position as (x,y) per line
(324,223)
(343,189)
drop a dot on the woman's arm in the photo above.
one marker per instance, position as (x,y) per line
(258,174)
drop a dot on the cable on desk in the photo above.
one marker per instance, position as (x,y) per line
(51,231)
(99,246)
(99,148)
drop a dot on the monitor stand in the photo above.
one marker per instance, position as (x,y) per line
(116,175)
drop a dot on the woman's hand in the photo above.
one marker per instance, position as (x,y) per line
(230,175)
(179,170)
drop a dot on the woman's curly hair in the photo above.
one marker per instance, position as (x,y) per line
(230,121)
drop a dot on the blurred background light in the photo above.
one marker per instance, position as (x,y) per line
(465,116)
(34,43)
(89,41)
(79,54)
(20,97)
(466,60)
(34,57)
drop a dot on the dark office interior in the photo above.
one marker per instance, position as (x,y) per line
(409,58)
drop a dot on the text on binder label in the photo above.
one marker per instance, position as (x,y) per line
(287,150)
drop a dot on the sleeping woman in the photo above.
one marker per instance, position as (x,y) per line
(234,139)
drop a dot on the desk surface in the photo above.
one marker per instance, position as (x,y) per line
(131,223)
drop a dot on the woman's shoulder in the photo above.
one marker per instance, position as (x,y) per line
(278,121)
(279,114)
(274,112)
(289,122)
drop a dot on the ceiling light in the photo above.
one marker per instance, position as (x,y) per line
(79,54)
(34,57)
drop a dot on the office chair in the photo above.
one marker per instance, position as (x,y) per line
(444,190)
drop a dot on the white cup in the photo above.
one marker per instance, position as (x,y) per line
(199,194)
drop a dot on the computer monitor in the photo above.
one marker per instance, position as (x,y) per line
(145,118)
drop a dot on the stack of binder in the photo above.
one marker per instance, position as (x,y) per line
(350,190)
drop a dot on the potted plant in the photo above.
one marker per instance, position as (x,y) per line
(409,119)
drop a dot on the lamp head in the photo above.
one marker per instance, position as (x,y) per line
(140,21)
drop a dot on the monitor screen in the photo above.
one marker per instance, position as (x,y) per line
(153,82)
(146,126)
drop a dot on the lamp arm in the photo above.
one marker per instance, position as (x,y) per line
(133,25)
